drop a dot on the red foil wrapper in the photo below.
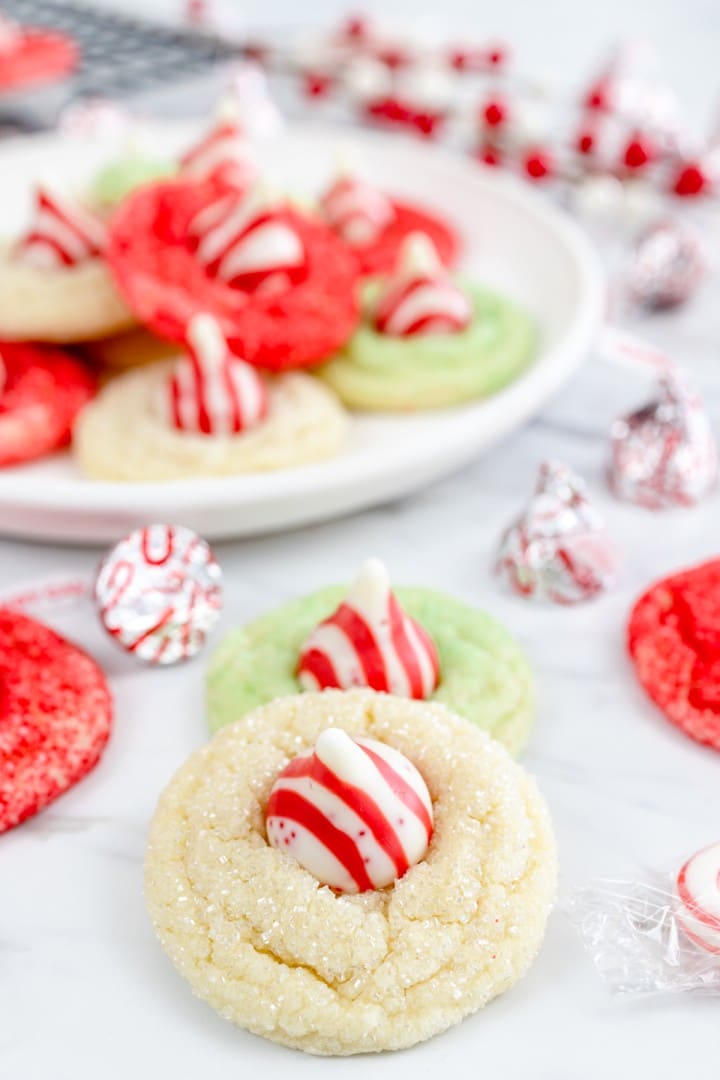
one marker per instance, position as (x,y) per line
(159,592)
(664,454)
(667,266)
(558,549)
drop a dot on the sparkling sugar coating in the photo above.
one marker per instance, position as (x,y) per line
(558,549)
(664,454)
(277,953)
(159,593)
(55,716)
(674,642)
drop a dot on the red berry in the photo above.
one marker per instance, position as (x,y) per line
(638,153)
(426,123)
(495,113)
(690,181)
(599,96)
(490,155)
(498,55)
(355,28)
(538,165)
(316,85)
(585,142)
(459,59)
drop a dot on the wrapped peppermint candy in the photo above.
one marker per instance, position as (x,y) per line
(159,592)
(658,934)
(667,266)
(558,549)
(664,454)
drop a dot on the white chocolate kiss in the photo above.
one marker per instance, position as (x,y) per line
(369,598)
(434,295)
(212,381)
(389,821)
(228,238)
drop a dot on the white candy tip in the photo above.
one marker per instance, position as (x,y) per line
(418,255)
(332,747)
(205,336)
(228,110)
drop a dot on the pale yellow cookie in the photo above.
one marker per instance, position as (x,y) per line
(75,303)
(123,435)
(277,953)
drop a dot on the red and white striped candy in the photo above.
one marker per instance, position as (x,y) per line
(159,592)
(248,243)
(370,641)
(355,813)
(62,233)
(211,391)
(356,211)
(222,155)
(698,898)
(420,297)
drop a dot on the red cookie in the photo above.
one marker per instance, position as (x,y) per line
(55,716)
(38,56)
(674,641)
(43,392)
(380,257)
(151,256)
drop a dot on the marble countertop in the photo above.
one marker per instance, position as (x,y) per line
(85,991)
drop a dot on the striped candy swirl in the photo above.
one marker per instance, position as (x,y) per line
(370,641)
(211,391)
(698,898)
(419,297)
(61,234)
(249,243)
(356,211)
(158,593)
(355,813)
(222,155)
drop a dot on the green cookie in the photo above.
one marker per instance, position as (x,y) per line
(119,178)
(378,371)
(484,675)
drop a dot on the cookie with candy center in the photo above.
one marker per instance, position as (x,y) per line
(375,226)
(42,391)
(411,642)
(428,340)
(55,716)
(266,943)
(159,267)
(673,639)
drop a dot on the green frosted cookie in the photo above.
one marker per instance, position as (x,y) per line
(120,177)
(484,674)
(378,371)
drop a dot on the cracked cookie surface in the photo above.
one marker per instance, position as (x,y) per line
(271,949)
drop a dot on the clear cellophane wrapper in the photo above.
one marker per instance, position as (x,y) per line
(636,935)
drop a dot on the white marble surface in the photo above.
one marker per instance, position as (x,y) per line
(85,992)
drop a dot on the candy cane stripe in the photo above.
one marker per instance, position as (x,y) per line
(370,641)
(359,802)
(287,804)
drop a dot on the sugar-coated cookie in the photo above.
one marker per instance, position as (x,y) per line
(263,942)
(42,390)
(280,283)
(674,642)
(483,674)
(55,716)
(205,414)
(54,283)
(428,341)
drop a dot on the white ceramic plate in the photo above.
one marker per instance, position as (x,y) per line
(513,240)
